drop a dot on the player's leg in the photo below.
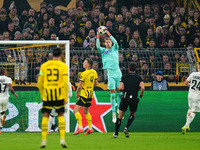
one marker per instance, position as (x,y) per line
(112,87)
(88,117)
(60,108)
(133,104)
(61,126)
(45,120)
(118,123)
(3,108)
(189,118)
(119,93)
(46,110)
(122,109)
(78,106)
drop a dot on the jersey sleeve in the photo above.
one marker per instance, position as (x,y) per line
(9,81)
(96,76)
(99,48)
(65,80)
(190,78)
(40,81)
(114,42)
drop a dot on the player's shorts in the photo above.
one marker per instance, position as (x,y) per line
(82,101)
(114,77)
(131,102)
(49,105)
(3,104)
(194,104)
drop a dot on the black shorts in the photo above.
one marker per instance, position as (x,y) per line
(58,105)
(82,101)
(132,103)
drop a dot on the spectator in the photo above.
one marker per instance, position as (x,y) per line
(159,84)
(166,21)
(171,44)
(13,12)
(129,19)
(163,38)
(36,36)
(31,22)
(16,23)
(183,42)
(17,35)
(52,25)
(92,45)
(196,42)
(64,33)
(88,27)
(121,37)
(118,22)
(168,73)
(122,64)
(11,30)
(102,21)
(145,72)
(132,45)
(149,36)
(4,21)
(137,40)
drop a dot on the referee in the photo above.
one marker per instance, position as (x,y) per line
(130,84)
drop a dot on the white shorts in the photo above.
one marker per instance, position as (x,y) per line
(194,104)
(3,104)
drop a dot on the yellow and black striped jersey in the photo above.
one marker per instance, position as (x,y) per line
(88,78)
(53,81)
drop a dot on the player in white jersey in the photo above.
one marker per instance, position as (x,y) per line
(193,81)
(5,86)
(54,113)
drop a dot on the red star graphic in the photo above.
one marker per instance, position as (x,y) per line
(97,111)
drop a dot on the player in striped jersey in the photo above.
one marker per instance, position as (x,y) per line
(53,87)
(87,81)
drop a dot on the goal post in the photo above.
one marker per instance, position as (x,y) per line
(19,53)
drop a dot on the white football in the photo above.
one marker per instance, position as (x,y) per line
(102,30)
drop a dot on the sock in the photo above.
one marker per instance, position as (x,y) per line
(79,120)
(50,123)
(44,127)
(189,118)
(61,126)
(118,99)
(89,121)
(117,125)
(112,101)
(130,120)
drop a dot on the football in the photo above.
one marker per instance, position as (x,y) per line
(102,30)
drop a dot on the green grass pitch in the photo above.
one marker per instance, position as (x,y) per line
(104,141)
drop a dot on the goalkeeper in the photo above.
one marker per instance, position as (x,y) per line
(54,113)
(110,59)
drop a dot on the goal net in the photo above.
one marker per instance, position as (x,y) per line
(22,60)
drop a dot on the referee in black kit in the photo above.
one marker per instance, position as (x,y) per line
(129,84)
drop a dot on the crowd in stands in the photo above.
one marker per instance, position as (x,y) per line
(149,26)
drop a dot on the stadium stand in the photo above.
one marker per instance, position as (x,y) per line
(155,35)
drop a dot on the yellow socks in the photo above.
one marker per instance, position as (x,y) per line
(79,120)
(44,127)
(89,120)
(61,126)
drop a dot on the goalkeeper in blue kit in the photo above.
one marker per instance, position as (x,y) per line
(110,59)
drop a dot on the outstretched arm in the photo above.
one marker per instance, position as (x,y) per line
(99,48)
(113,40)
